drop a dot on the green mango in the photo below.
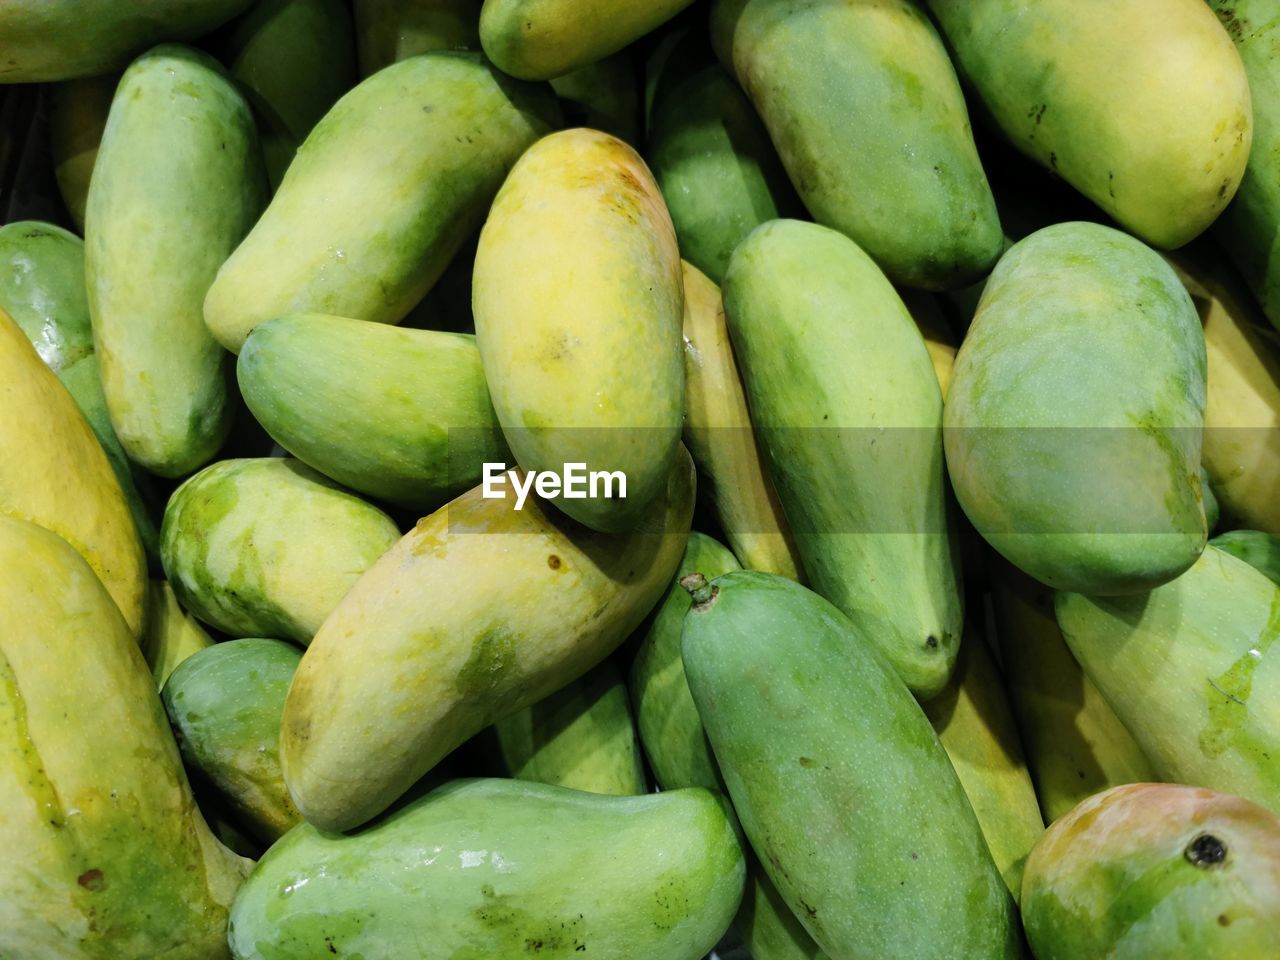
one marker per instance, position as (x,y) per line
(177,183)
(509,869)
(479,611)
(267,547)
(380,196)
(581,737)
(77,116)
(1074,418)
(866,112)
(769,930)
(847,407)
(711,155)
(105,856)
(837,777)
(541,39)
(1141,106)
(225,704)
(1260,550)
(1186,668)
(402,415)
(604,95)
(170,634)
(1212,511)
(1155,870)
(42,40)
(388,31)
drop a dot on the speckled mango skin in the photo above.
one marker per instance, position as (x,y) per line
(77,116)
(177,182)
(477,612)
(541,39)
(388,31)
(864,107)
(268,547)
(54,472)
(225,704)
(838,779)
(508,869)
(1073,421)
(381,195)
(1116,878)
(1192,669)
(105,854)
(1142,106)
(578,298)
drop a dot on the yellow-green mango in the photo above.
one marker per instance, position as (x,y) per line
(177,183)
(381,195)
(541,39)
(53,472)
(77,116)
(105,856)
(477,612)
(170,634)
(1142,105)
(388,31)
(578,299)
(267,547)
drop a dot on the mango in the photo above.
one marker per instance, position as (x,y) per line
(388,31)
(380,195)
(1260,550)
(1074,419)
(170,635)
(848,413)
(268,547)
(603,96)
(939,339)
(578,299)
(77,116)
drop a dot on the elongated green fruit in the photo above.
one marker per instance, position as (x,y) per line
(479,611)
(402,415)
(170,634)
(77,116)
(388,31)
(847,406)
(604,96)
(865,109)
(1073,424)
(1260,550)
(839,781)
(479,852)
(578,300)
(105,854)
(1156,870)
(268,547)
(177,183)
(1190,670)
(381,195)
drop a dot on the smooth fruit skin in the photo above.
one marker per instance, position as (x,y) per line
(604,95)
(170,635)
(838,779)
(177,183)
(578,300)
(846,407)
(505,869)
(866,112)
(77,116)
(54,472)
(381,195)
(1260,550)
(541,39)
(225,704)
(1156,870)
(1190,670)
(268,547)
(1074,419)
(105,855)
(477,612)
(388,31)
(1143,106)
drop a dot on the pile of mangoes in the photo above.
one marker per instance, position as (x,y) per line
(886,622)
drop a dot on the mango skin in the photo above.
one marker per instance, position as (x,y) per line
(381,195)
(388,31)
(268,547)
(1143,106)
(509,868)
(1074,419)
(866,112)
(105,854)
(170,635)
(838,779)
(541,39)
(477,612)
(578,299)
(1186,669)
(1119,877)
(77,116)
(604,96)
(177,183)
(54,472)
(402,415)
(225,704)
(846,405)
(1260,550)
